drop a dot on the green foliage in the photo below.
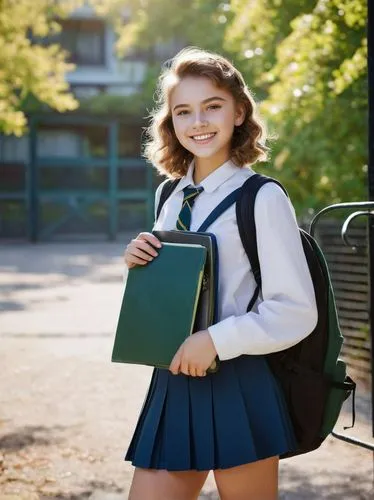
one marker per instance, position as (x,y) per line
(317,103)
(258,26)
(26,67)
(105,104)
(201,22)
(305,61)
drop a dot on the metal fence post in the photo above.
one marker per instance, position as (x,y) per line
(370,28)
(32,184)
(113,181)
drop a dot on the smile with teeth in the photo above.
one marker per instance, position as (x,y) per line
(203,137)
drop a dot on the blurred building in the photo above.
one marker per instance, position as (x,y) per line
(81,173)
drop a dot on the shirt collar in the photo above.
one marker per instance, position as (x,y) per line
(213,181)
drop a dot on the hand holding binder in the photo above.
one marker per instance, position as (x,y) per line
(195,355)
(167,300)
(141,250)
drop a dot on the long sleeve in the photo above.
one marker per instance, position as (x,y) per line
(287,312)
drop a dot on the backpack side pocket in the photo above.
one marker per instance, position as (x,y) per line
(341,388)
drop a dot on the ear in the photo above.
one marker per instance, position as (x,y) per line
(239,115)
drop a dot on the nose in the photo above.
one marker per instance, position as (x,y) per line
(200,120)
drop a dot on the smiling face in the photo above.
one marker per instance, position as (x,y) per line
(204,117)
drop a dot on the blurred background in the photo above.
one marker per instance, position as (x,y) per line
(78,78)
(77,82)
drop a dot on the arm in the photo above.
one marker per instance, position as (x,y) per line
(288,312)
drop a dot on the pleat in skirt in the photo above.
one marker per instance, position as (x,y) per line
(225,419)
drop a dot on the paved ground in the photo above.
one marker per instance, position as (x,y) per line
(67,412)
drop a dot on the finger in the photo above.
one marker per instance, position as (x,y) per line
(151,238)
(192,371)
(184,367)
(137,252)
(175,364)
(134,261)
(143,245)
(200,372)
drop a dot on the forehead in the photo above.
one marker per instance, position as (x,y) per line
(193,90)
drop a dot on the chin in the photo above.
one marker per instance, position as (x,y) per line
(200,153)
(204,155)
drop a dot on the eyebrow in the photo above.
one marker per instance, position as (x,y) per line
(205,101)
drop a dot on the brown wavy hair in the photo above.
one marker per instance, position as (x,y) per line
(162,147)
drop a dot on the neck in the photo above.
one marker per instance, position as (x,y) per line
(205,166)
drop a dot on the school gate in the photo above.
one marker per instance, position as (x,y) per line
(75,176)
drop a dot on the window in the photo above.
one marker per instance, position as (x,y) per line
(13,149)
(74,142)
(85,41)
(58,143)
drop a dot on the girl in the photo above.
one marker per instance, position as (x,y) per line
(234,422)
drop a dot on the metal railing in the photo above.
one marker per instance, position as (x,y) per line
(364,208)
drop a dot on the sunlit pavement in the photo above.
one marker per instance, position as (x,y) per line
(67,413)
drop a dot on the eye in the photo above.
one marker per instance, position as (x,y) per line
(214,106)
(183,112)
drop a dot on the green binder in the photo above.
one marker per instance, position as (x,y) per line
(205,315)
(159,306)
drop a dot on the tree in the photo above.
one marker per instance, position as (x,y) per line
(32,70)
(305,60)
(27,66)
(314,91)
(201,22)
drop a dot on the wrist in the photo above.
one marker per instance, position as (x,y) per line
(208,337)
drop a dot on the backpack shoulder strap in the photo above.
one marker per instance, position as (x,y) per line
(169,187)
(245,215)
(166,191)
(220,208)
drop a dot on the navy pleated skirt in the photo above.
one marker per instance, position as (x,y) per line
(225,419)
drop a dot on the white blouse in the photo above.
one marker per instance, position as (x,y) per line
(285,311)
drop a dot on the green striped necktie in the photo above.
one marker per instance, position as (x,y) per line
(184,217)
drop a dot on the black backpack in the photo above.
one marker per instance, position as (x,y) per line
(311,374)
